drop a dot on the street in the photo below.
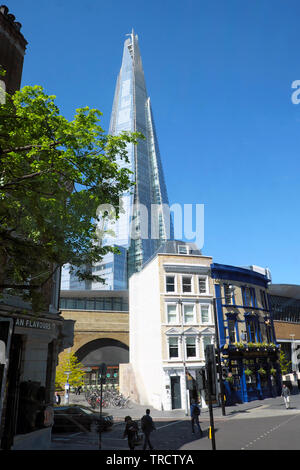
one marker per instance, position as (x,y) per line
(265,425)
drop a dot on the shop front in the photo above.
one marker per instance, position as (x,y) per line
(31,346)
(251,375)
(92,377)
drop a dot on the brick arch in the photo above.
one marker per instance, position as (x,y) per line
(108,350)
(80,339)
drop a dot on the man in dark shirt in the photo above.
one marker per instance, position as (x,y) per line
(195,413)
(147,427)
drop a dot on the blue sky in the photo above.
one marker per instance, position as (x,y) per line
(219,75)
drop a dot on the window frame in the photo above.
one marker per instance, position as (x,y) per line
(171,304)
(209,313)
(175,284)
(185,247)
(191,278)
(194,346)
(232,322)
(169,348)
(245,299)
(189,304)
(205,278)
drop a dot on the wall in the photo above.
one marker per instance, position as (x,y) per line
(91,325)
(145,339)
(283,330)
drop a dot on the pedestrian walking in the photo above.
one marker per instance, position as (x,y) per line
(195,413)
(286,396)
(131,430)
(57,398)
(147,427)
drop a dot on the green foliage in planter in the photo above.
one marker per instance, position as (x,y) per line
(248,372)
(239,345)
(262,371)
(230,380)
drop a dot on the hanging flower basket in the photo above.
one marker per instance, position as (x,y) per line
(262,371)
(248,372)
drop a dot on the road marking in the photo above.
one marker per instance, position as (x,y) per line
(269,432)
(170,424)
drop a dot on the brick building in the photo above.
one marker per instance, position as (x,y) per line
(12,49)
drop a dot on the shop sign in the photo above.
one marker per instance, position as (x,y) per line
(36,324)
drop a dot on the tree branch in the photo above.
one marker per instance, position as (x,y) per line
(27,147)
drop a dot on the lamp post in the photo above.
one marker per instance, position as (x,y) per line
(183,355)
(102,374)
(222,391)
(293,351)
(67,387)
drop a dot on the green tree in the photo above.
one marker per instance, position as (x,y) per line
(285,365)
(69,363)
(54,174)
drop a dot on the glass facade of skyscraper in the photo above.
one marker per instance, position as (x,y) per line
(145,222)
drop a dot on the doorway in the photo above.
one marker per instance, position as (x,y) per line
(175,392)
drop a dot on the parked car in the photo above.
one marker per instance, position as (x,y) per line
(71,418)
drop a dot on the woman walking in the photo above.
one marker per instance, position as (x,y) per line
(130,431)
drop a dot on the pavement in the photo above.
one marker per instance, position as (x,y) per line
(173,426)
(268,406)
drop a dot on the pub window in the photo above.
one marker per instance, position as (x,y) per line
(247,296)
(263,299)
(251,331)
(269,333)
(228,294)
(232,330)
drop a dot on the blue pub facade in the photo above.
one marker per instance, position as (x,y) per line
(248,349)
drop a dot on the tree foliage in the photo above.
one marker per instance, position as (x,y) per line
(54,173)
(285,365)
(69,363)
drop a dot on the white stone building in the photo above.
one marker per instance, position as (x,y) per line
(170,323)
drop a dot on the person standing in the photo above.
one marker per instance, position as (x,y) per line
(57,398)
(195,413)
(286,396)
(130,431)
(147,427)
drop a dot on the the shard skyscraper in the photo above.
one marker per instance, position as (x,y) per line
(146,206)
